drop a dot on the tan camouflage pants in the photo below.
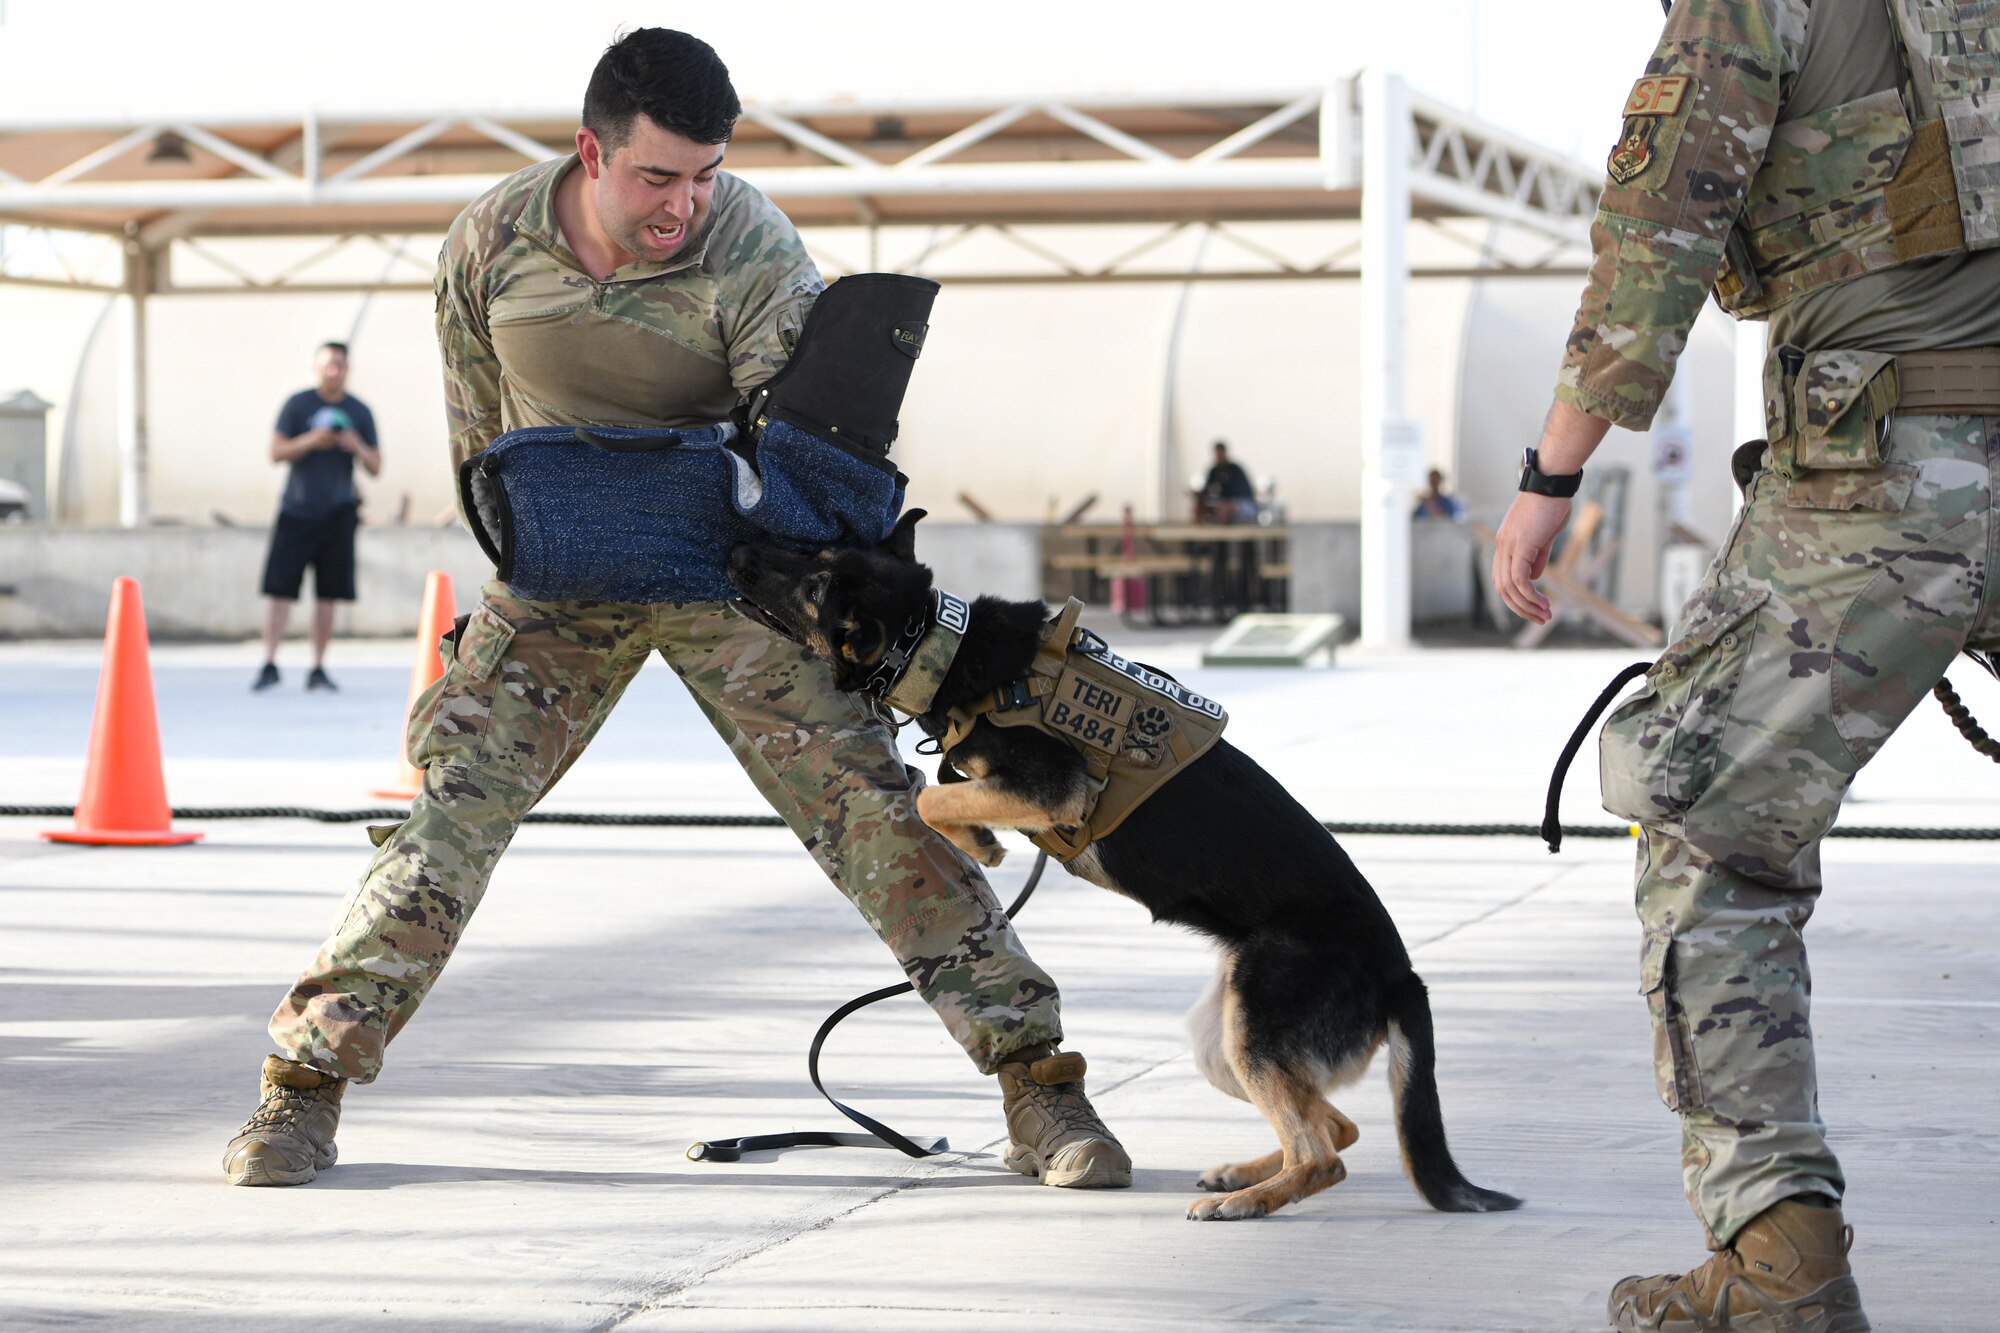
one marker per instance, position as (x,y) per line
(1835,605)
(525,690)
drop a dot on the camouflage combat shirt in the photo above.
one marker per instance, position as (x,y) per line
(531,339)
(1657,241)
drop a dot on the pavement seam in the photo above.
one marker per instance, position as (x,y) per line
(660,1300)
(1495,910)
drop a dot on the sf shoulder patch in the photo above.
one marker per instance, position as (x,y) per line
(1658,104)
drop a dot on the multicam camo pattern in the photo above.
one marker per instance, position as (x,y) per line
(677,342)
(1801,199)
(1837,602)
(523,694)
(1828,414)
(1960,46)
(1658,240)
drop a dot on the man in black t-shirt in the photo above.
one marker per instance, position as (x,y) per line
(321,432)
(1226,493)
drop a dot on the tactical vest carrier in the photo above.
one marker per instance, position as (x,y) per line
(1898,175)
(1135,727)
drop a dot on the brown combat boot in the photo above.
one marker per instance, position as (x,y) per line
(1784,1273)
(289,1139)
(1052,1131)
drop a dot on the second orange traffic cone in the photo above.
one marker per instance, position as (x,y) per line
(440,609)
(124,801)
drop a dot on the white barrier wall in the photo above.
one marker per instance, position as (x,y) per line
(202,583)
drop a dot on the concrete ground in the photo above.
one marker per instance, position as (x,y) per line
(625,992)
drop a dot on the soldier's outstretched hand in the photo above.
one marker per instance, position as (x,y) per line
(1521,552)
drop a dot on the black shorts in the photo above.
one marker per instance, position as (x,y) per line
(327,544)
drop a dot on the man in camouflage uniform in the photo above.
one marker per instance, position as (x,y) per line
(634,284)
(1824,166)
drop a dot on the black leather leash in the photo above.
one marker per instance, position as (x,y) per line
(1955,709)
(878,1135)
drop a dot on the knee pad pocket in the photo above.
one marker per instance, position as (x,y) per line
(1675,1073)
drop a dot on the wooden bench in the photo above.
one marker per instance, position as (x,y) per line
(1566,583)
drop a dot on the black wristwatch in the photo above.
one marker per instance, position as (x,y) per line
(1541,483)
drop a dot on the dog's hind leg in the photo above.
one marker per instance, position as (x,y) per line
(1205,1033)
(1309,1133)
(1242,1175)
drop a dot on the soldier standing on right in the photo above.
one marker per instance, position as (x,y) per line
(1828,165)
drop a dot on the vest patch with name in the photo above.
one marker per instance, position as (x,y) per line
(1135,726)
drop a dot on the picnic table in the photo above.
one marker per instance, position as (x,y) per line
(1170,573)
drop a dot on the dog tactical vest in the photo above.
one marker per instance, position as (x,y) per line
(1902,174)
(1135,727)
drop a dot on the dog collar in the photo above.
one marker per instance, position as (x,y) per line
(909,674)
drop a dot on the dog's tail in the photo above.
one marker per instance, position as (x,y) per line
(1419,1118)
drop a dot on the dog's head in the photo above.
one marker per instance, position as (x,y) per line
(846,606)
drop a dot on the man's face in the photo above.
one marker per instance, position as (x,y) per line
(331,368)
(653,192)
(1221,454)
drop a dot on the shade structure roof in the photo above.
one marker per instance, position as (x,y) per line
(1186,158)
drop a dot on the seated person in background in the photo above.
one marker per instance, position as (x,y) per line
(1226,494)
(1435,503)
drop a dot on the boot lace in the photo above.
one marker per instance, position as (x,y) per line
(1066,1102)
(281,1108)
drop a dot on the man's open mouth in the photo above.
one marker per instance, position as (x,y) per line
(667,235)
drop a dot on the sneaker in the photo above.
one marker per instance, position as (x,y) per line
(266,678)
(1052,1130)
(289,1139)
(319,680)
(1786,1272)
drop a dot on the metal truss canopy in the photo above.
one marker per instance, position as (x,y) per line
(1168,160)
(164,194)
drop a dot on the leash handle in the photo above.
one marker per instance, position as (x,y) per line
(1552,829)
(878,1135)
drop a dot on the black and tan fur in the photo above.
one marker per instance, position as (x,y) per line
(1313,977)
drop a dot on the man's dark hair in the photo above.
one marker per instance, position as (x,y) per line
(334,347)
(676,80)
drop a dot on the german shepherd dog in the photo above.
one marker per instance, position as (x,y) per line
(1313,976)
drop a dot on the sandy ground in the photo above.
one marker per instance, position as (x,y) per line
(625,992)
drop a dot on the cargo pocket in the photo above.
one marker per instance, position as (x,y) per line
(449,723)
(1674,1072)
(1658,751)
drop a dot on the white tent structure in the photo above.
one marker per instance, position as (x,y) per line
(170,194)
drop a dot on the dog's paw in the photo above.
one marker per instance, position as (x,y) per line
(1226,1207)
(1224,1179)
(986,848)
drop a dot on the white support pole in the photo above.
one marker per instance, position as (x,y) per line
(132,443)
(1385,435)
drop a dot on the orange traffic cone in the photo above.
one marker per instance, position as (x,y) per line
(440,609)
(124,801)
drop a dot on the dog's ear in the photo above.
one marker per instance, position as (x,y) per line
(902,539)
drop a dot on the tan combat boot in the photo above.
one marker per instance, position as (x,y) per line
(1784,1273)
(290,1138)
(1051,1129)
